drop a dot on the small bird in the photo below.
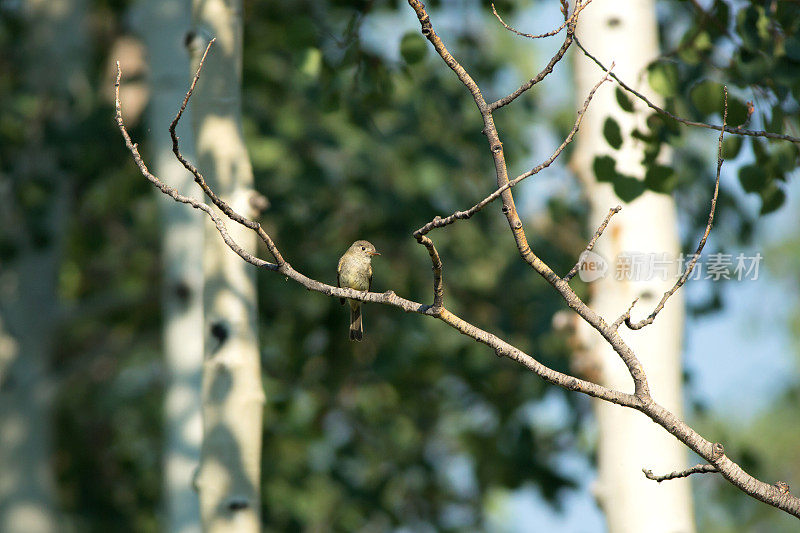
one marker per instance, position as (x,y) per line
(355,272)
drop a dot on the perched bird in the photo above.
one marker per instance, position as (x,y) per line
(355,272)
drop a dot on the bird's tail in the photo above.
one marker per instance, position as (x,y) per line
(356,327)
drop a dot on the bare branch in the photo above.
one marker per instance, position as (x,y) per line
(450,61)
(201,181)
(439,222)
(696,469)
(568,20)
(651,105)
(438,289)
(174,194)
(640,400)
(649,320)
(712,452)
(509,209)
(624,316)
(611,212)
(499,346)
(541,75)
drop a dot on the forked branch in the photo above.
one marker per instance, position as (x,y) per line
(662,111)
(640,400)
(678,284)
(696,469)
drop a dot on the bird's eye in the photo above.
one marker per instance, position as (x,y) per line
(363,249)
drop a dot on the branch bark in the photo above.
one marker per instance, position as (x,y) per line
(640,400)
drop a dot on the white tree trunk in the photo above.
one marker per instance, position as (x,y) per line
(164,25)
(56,51)
(229,476)
(27,485)
(626,33)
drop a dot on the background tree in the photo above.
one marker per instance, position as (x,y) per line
(164,25)
(35,217)
(458,428)
(228,480)
(628,441)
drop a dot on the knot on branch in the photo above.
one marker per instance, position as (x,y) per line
(497,148)
(518,224)
(717,451)
(782,487)
(425,22)
(505,209)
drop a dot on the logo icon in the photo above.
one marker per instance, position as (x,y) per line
(592,267)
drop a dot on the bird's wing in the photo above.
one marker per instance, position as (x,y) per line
(369,287)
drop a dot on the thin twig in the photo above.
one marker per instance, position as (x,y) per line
(649,320)
(570,37)
(509,209)
(200,179)
(640,400)
(436,261)
(697,469)
(644,402)
(611,212)
(569,20)
(624,316)
(439,222)
(498,345)
(174,194)
(651,105)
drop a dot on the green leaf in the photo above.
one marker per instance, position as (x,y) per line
(624,101)
(722,12)
(612,133)
(603,167)
(785,156)
(312,62)
(709,97)
(642,136)
(413,47)
(731,146)
(628,188)
(737,111)
(792,47)
(752,178)
(664,78)
(657,178)
(752,25)
(787,14)
(772,197)
(694,46)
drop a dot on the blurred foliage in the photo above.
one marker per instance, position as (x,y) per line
(753,48)
(766,447)
(417,425)
(348,144)
(414,426)
(767,441)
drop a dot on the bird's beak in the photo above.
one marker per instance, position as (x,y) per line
(374,253)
